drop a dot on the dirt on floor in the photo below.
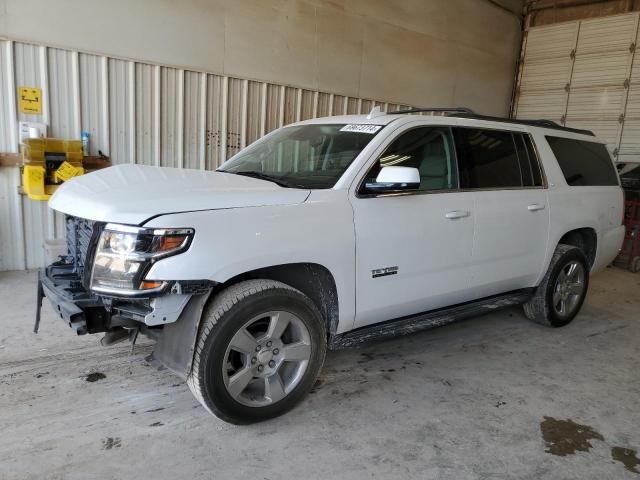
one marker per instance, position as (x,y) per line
(491,397)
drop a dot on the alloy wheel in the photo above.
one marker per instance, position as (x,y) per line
(569,288)
(266,358)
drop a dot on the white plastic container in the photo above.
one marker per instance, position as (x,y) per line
(53,249)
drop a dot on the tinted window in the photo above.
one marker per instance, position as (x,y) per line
(429,149)
(487,159)
(631,179)
(529,165)
(536,169)
(583,163)
(524,161)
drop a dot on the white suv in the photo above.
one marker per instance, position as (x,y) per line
(328,233)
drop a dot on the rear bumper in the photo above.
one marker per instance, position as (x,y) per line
(609,245)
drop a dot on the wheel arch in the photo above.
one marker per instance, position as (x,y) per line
(312,279)
(585,238)
(176,342)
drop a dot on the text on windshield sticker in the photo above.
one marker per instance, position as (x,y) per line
(370,129)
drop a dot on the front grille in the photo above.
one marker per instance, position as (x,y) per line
(80,234)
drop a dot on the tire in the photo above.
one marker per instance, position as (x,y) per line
(543,307)
(278,375)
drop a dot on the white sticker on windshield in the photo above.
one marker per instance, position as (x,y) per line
(370,129)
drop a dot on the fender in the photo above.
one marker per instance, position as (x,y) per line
(231,242)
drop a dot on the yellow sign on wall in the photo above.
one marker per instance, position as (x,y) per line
(30,100)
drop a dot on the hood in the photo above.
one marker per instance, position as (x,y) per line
(131,194)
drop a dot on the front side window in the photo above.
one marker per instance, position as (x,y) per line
(429,149)
(304,156)
(487,159)
(583,163)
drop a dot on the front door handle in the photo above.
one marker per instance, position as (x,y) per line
(535,207)
(457,214)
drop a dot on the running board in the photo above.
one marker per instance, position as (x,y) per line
(427,320)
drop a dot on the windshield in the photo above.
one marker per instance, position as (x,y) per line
(305,156)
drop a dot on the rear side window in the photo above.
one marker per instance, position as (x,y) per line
(487,159)
(583,163)
(523,159)
(536,169)
(529,164)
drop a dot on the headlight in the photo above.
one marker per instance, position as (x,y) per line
(124,255)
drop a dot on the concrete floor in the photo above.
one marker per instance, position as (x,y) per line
(460,402)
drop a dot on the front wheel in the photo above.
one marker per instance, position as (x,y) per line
(260,348)
(560,295)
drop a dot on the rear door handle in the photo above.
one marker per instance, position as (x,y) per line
(457,214)
(535,207)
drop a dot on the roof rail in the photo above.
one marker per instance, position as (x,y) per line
(544,123)
(463,112)
(437,110)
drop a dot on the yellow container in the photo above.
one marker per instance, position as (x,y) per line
(34,150)
(33,182)
(47,163)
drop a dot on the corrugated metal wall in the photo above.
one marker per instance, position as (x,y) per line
(584,74)
(136,113)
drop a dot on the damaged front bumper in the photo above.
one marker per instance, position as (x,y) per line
(171,319)
(87,312)
(79,309)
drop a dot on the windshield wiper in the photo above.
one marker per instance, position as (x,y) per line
(261,176)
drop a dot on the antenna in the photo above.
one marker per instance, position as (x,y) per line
(375,112)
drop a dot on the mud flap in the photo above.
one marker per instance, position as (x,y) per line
(39,297)
(176,343)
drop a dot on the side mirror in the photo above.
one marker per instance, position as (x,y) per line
(395,179)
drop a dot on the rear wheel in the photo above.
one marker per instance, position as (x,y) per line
(560,295)
(260,348)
